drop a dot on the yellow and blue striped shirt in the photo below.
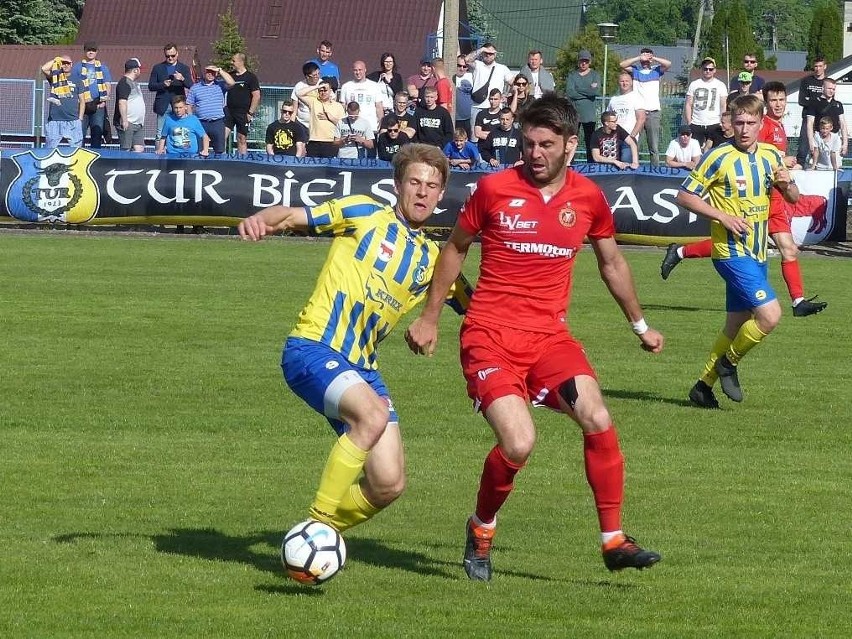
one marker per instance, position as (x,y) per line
(739,184)
(377,269)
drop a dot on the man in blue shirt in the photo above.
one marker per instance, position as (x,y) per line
(182,132)
(207,101)
(94,76)
(323,61)
(168,79)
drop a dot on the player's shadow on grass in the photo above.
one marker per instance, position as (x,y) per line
(675,307)
(645,396)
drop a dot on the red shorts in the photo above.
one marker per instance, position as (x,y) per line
(779,217)
(499,361)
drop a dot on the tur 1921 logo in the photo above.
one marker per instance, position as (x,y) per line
(54,188)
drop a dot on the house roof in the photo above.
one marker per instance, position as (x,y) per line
(281,33)
(534,24)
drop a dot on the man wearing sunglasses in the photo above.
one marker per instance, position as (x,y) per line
(168,79)
(749,66)
(463,81)
(706,99)
(66,104)
(287,136)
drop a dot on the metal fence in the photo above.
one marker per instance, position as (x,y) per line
(23,112)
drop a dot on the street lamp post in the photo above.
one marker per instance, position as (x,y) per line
(607,31)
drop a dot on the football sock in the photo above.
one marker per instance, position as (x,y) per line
(497,481)
(354,509)
(696,249)
(792,274)
(607,537)
(342,468)
(720,347)
(747,338)
(605,474)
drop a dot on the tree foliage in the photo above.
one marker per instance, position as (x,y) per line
(566,59)
(36,22)
(825,37)
(230,41)
(730,36)
(478,21)
(660,22)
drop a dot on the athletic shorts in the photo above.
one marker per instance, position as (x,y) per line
(238,119)
(499,361)
(779,217)
(746,283)
(319,375)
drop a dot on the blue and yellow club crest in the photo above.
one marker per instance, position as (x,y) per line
(54,188)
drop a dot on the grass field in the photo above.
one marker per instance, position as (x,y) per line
(151,459)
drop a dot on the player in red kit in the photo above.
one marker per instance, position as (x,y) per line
(515,344)
(772,132)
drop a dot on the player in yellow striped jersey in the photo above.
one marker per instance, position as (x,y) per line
(378,267)
(738,178)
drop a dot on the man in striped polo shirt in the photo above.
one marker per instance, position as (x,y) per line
(207,100)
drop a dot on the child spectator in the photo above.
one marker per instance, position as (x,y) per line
(461,152)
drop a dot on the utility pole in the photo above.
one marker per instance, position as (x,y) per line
(772,21)
(697,40)
(450,47)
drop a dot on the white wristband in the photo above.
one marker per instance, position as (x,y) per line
(640,327)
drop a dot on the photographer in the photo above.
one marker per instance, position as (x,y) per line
(168,79)
(354,135)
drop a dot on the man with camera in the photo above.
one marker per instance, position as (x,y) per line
(168,79)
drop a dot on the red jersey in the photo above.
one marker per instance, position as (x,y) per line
(772,132)
(529,246)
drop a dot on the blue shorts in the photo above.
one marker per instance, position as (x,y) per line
(746,283)
(319,375)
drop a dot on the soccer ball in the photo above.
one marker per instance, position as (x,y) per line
(313,552)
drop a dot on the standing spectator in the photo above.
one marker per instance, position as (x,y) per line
(392,139)
(826,105)
(242,101)
(609,142)
(66,104)
(168,79)
(206,100)
(95,78)
(743,88)
(368,95)
(705,100)
(504,144)
(488,118)
(684,151)
(312,77)
(540,78)
(323,61)
(750,67)
(461,152)
(388,79)
(520,98)
(354,134)
(443,84)
(488,74)
(415,84)
(810,88)
(463,81)
(725,133)
(182,132)
(647,69)
(129,116)
(826,147)
(433,123)
(627,106)
(287,136)
(583,86)
(325,114)
(402,114)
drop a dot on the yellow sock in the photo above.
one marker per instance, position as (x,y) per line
(341,470)
(720,346)
(747,338)
(354,509)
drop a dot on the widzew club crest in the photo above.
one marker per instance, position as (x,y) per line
(53,188)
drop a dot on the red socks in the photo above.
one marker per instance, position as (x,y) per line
(697,249)
(605,473)
(792,275)
(498,475)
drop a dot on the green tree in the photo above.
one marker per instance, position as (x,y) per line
(788,19)
(230,41)
(660,22)
(730,36)
(478,21)
(825,37)
(566,59)
(36,22)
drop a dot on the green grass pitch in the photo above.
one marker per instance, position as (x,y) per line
(151,459)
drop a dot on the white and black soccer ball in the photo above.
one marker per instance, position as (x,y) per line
(313,552)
